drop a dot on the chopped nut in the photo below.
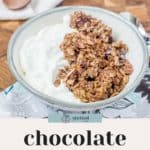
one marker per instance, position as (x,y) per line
(57,82)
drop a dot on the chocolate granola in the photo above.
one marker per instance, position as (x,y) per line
(98,68)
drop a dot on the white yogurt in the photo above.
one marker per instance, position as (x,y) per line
(41,58)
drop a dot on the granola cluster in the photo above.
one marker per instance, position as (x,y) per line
(97,66)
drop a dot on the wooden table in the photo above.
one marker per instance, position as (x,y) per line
(140,8)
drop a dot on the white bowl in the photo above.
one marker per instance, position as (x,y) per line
(122,30)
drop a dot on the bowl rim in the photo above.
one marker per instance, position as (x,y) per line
(64,105)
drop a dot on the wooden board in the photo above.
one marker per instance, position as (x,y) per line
(140,8)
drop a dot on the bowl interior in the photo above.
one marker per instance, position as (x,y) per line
(122,30)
